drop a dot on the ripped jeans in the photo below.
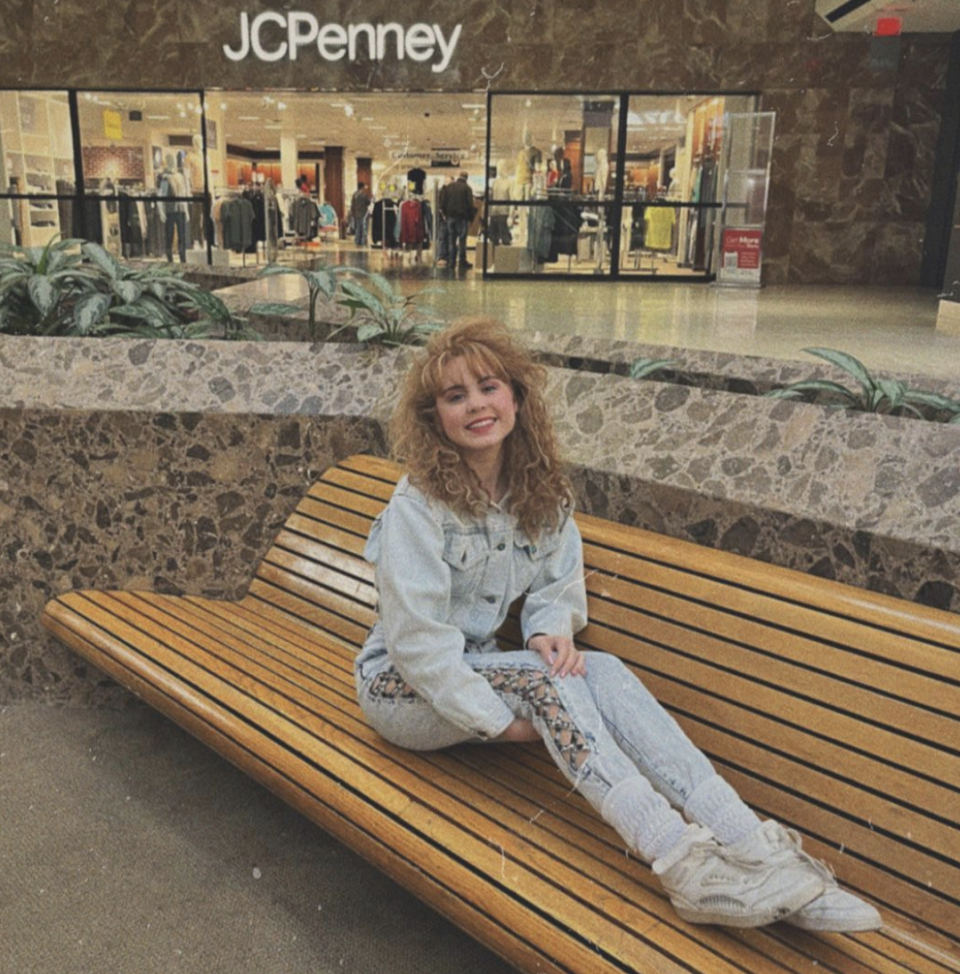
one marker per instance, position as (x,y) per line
(605,731)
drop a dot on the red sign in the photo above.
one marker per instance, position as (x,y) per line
(741,249)
(889,27)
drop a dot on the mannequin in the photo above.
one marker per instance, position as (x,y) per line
(527,160)
(603,171)
(173,213)
(500,189)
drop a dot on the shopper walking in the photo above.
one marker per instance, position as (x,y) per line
(483,516)
(459,208)
(359,205)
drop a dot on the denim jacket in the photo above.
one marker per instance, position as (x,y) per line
(444,586)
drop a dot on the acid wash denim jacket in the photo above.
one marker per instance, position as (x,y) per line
(444,585)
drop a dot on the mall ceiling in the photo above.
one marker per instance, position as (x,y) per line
(917,16)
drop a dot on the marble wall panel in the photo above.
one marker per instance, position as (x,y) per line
(170,502)
(169,466)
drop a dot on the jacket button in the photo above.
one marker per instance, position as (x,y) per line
(501,546)
(490,598)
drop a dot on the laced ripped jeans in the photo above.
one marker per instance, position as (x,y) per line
(601,729)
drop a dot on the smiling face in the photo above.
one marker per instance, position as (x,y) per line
(477,412)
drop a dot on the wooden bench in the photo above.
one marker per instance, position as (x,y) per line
(833,709)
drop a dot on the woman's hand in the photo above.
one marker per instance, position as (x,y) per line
(560,654)
(520,730)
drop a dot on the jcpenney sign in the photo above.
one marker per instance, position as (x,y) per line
(273,36)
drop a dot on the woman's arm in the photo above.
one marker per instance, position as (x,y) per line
(413,582)
(556,600)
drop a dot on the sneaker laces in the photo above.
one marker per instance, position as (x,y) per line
(794,841)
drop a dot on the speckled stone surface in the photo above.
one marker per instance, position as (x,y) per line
(170,465)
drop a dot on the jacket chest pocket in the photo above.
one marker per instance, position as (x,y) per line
(466,556)
(530,558)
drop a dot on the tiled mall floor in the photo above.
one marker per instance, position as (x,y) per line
(889,328)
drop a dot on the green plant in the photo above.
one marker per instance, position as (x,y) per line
(321,283)
(48,290)
(383,315)
(873,395)
(644,367)
(379,311)
(76,288)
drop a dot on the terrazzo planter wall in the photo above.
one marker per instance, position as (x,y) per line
(855,145)
(171,465)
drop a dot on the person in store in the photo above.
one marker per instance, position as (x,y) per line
(553,173)
(359,206)
(566,176)
(460,209)
(483,516)
(443,237)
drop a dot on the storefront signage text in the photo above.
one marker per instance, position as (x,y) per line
(273,36)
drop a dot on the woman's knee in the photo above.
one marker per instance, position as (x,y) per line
(607,668)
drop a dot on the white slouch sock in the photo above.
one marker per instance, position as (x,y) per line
(643,817)
(716,805)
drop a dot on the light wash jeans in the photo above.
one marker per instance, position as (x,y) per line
(600,729)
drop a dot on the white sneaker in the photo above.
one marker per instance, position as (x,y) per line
(708,883)
(834,910)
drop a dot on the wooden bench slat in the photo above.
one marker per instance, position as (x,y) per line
(310,509)
(304,588)
(832,709)
(347,479)
(308,611)
(680,622)
(286,720)
(862,770)
(798,711)
(283,559)
(939,876)
(786,586)
(329,493)
(306,789)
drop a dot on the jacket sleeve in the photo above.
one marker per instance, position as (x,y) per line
(556,601)
(413,585)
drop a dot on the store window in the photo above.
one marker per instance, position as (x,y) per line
(36,167)
(605,184)
(143,174)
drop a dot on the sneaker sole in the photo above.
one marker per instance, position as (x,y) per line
(836,926)
(801,897)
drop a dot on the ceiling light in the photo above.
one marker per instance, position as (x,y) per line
(474,106)
(248,118)
(158,118)
(274,127)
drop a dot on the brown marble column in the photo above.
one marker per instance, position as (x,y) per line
(333,181)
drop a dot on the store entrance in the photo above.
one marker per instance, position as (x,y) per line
(619,185)
(358,173)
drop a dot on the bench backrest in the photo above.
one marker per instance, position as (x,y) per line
(833,709)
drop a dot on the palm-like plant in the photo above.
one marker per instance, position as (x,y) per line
(380,313)
(321,283)
(873,395)
(644,367)
(383,315)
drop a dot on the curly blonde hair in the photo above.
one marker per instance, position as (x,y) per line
(538,487)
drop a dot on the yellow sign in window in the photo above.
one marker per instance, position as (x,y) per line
(112,124)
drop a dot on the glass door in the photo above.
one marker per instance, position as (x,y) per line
(745,179)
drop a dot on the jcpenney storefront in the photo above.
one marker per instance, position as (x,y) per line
(614,143)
